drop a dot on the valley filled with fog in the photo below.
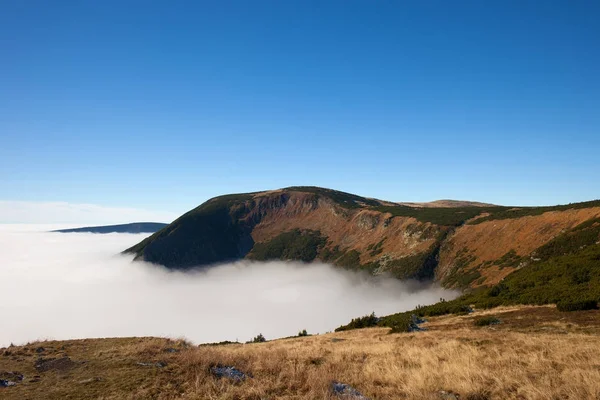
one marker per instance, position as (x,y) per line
(77,285)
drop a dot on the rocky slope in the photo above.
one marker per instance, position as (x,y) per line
(469,245)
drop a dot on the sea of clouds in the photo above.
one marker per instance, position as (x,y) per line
(77,285)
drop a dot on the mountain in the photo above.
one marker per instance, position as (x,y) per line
(135,227)
(461,246)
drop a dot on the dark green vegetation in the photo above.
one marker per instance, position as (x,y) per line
(457,216)
(486,321)
(566,272)
(292,245)
(439,216)
(135,227)
(574,305)
(210,233)
(350,259)
(420,266)
(362,322)
(258,339)
(517,212)
(463,276)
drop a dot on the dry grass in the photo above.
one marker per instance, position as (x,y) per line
(513,360)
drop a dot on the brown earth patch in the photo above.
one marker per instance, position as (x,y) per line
(350,229)
(490,240)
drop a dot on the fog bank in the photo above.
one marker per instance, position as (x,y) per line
(74,285)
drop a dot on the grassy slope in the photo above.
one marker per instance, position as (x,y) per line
(535,353)
(565,271)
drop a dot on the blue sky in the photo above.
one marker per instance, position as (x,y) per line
(161,105)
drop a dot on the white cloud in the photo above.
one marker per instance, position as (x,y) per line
(30,212)
(76,285)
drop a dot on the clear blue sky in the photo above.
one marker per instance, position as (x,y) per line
(161,105)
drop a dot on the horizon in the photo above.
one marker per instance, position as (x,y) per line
(114,111)
(112,215)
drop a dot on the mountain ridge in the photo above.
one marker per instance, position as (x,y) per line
(467,246)
(133,227)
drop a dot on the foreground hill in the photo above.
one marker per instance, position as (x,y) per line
(135,227)
(534,353)
(459,244)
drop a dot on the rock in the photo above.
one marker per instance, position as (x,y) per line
(11,376)
(90,380)
(415,320)
(171,350)
(228,372)
(5,383)
(346,391)
(443,395)
(40,350)
(159,364)
(58,364)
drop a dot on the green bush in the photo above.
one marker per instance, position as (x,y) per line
(361,322)
(258,339)
(577,305)
(486,321)
(399,322)
(350,259)
(302,333)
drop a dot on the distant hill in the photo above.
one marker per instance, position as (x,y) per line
(135,227)
(449,204)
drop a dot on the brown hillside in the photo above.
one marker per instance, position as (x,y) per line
(470,247)
(349,229)
(460,244)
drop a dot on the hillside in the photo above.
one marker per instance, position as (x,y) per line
(135,227)
(464,246)
(534,353)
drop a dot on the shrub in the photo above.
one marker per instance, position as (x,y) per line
(302,333)
(568,305)
(400,323)
(350,259)
(361,322)
(486,321)
(291,245)
(258,339)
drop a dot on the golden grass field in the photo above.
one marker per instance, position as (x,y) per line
(535,353)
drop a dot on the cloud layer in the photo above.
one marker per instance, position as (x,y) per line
(61,286)
(32,212)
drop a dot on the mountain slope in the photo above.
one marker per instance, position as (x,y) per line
(135,227)
(464,246)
